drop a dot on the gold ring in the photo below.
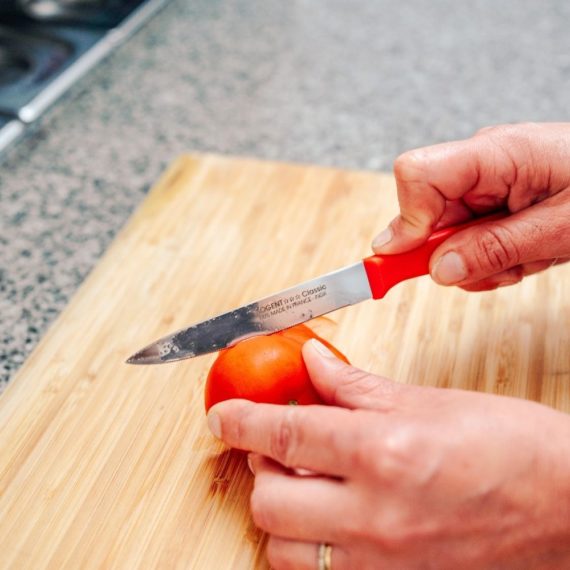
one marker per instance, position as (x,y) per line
(325,556)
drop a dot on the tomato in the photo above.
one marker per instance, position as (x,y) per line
(265,369)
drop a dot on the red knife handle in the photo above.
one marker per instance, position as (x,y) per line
(385,271)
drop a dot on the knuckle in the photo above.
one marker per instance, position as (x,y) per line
(523,164)
(496,250)
(485,130)
(408,166)
(386,455)
(364,454)
(510,132)
(401,448)
(286,438)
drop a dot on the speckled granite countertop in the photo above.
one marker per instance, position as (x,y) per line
(344,83)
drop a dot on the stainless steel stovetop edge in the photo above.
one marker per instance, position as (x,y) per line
(10,133)
(15,129)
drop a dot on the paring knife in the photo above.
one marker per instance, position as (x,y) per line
(371,278)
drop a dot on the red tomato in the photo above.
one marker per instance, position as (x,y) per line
(265,369)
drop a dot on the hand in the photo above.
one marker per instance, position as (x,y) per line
(524,168)
(405,477)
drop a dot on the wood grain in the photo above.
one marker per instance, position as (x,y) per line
(105,465)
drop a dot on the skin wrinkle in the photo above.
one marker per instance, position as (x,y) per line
(354,377)
(239,426)
(532,235)
(477,178)
(471,197)
(522,190)
(415,224)
(414,221)
(515,169)
(287,438)
(529,233)
(360,384)
(479,204)
(517,179)
(499,248)
(437,217)
(538,198)
(554,217)
(553,209)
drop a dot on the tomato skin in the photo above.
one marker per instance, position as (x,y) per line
(266,369)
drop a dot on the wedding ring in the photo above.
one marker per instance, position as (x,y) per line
(325,556)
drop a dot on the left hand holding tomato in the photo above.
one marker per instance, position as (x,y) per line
(405,477)
(268,368)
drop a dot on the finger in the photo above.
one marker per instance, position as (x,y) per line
(340,384)
(318,438)
(300,508)
(537,266)
(511,276)
(510,165)
(424,189)
(503,279)
(473,255)
(283,553)
(455,212)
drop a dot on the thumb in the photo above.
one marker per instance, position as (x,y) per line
(538,233)
(343,385)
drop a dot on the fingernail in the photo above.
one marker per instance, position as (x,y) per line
(450,269)
(214,424)
(250,463)
(322,349)
(382,238)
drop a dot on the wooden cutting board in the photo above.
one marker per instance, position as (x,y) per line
(105,465)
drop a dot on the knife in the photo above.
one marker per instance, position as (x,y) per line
(370,278)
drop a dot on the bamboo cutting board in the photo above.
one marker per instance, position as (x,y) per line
(105,465)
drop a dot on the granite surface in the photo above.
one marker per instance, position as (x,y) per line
(336,82)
